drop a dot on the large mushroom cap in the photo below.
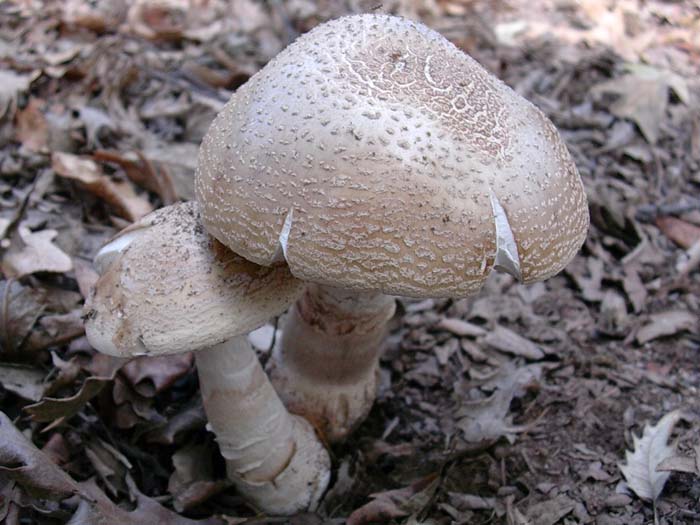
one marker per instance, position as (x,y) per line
(166,286)
(373,154)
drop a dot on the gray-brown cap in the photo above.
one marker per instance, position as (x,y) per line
(167,286)
(372,154)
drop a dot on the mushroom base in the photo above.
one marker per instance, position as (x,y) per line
(326,365)
(273,458)
(300,485)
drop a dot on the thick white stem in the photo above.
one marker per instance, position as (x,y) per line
(326,365)
(275,459)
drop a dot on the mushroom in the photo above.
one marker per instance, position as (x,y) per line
(165,287)
(376,158)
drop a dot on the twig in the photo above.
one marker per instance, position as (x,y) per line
(4,310)
(20,211)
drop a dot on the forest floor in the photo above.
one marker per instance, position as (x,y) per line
(514,406)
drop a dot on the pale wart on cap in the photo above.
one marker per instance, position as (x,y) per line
(166,286)
(372,154)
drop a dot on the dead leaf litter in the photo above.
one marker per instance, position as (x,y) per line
(573,401)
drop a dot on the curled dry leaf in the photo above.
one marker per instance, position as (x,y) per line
(98,508)
(35,252)
(157,20)
(643,96)
(551,511)
(640,469)
(474,502)
(96,122)
(98,16)
(34,471)
(32,129)
(152,375)
(20,309)
(506,340)
(460,328)
(683,233)
(685,464)
(486,420)
(54,330)
(119,195)
(110,464)
(86,276)
(178,161)
(142,171)
(189,417)
(4,226)
(398,503)
(52,409)
(22,462)
(11,85)
(193,481)
(24,381)
(665,324)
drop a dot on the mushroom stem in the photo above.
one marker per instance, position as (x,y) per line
(273,458)
(327,363)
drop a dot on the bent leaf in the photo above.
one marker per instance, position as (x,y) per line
(649,451)
(31,468)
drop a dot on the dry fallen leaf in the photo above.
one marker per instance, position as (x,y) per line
(179,161)
(683,233)
(643,96)
(152,375)
(157,20)
(21,461)
(460,328)
(506,340)
(551,511)
(193,481)
(32,129)
(26,382)
(86,276)
(666,323)
(40,477)
(486,420)
(685,464)
(119,195)
(398,503)
(11,85)
(142,171)
(98,508)
(95,121)
(99,16)
(190,416)
(640,469)
(54,330)
(54,409)
(20,308)
(4,226)
(35,252)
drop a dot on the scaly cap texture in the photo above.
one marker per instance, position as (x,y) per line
(372,154)
(167,286)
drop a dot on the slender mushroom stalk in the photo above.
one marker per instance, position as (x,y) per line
(166,287)
(274,458)
(344,331)
(373,156)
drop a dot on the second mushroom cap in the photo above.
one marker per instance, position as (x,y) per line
(167,286)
